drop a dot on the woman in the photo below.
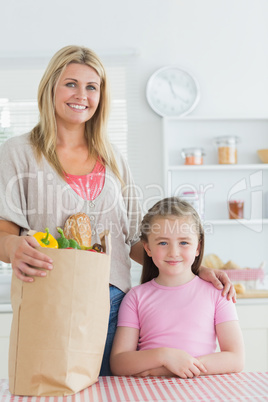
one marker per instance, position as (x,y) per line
(67,165)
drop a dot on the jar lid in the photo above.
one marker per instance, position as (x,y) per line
(236,201)
(196,192)
(192,152)
(189,192)
(227,140)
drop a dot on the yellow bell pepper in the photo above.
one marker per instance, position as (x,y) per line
(46,239)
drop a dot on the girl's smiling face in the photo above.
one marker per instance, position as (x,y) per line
(173,245)
(77,94)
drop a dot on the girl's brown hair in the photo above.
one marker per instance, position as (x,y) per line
(172,206)
(44,134)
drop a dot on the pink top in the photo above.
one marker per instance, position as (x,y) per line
(88,186)
(181,317)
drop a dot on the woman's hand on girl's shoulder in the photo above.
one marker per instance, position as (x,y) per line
(220,280)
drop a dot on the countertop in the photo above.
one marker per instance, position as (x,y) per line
(227,387)
(251,297)
(5,308)
(254,294)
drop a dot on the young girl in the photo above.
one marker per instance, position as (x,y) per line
(168,325)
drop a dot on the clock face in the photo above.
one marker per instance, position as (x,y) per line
(172,91)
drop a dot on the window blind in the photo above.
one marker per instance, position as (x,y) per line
(17,117)
(20,116)
(123,73)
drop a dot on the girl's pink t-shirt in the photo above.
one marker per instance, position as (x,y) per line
(181,317)
(88,186)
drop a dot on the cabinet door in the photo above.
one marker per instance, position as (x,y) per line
(5,325)
(254,324)
(256,349)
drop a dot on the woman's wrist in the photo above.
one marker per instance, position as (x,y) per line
(7,241)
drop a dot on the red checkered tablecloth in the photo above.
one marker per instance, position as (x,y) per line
(228,387)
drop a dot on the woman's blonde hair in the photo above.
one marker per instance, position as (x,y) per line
(168,207)
(44,134)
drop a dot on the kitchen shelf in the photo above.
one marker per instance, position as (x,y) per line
(214,118)
(233,222)
(249,166)
(245,240)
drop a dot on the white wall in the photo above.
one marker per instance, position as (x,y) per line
(224,43)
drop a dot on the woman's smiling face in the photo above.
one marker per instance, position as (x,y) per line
(77,94)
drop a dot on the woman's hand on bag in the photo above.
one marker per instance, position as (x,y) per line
(23,256)
(220,280)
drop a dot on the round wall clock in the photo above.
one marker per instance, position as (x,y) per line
(172,91)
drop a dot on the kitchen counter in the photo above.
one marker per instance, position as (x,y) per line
(5,308)
(254,294)
(236,387)
(250,297)
(253,297)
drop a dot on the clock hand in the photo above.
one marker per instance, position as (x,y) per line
(175,94)
(172,89)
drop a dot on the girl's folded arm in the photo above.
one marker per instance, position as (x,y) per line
(231,357)
(125,359)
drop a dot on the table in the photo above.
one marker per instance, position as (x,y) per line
(228,387)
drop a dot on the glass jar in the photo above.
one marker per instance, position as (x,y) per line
(227,149)
(236,209)
(193,156)
(196,200)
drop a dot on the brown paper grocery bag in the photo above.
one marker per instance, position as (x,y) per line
(60,324)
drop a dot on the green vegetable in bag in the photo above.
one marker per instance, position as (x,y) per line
(66,243)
